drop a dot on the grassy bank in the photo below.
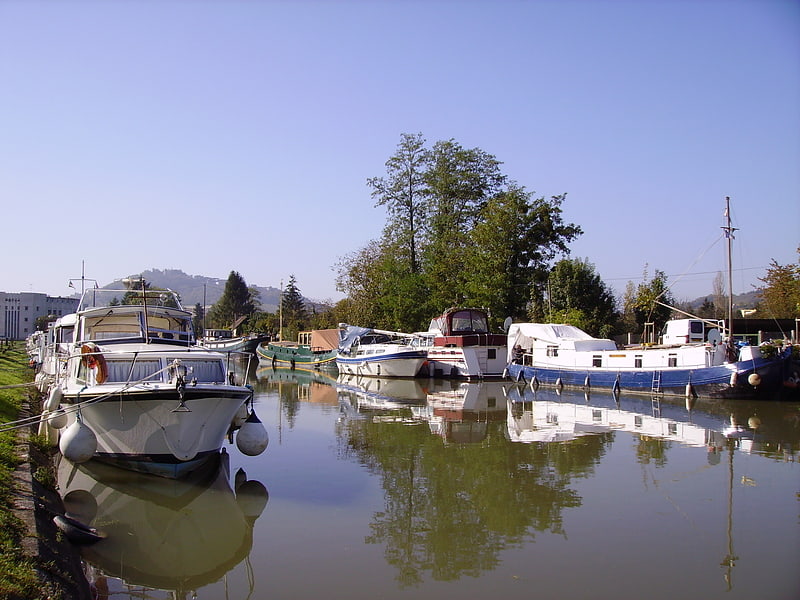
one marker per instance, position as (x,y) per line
(18,575)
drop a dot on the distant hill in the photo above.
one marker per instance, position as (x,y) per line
(192,288)
(740,301)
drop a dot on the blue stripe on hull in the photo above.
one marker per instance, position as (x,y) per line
(709,382)
(380,358)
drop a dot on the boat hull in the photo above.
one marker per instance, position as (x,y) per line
(294,355)
(730,380)
(241,344)
(141,430)
(472,362)
(399,364)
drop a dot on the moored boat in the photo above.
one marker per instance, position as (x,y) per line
(379,353)
(134,389)
(564,355)
(314,349)
(463,347)
(224,340)
(695,357)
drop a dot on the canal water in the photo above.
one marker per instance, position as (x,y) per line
(376,488)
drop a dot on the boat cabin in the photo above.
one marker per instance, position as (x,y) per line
(464,327)
(690,331)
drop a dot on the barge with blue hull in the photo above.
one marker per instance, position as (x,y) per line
(566,356)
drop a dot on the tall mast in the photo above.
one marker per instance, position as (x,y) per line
(729,234)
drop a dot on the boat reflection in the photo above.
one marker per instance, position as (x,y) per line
(457,411)
(547,415)
(460,411)
(162,534)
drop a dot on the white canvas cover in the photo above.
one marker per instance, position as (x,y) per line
(529,335)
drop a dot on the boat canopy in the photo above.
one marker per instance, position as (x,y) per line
(530,335)
(456,321)
(350,335)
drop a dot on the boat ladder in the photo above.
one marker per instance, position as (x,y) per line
(656,387)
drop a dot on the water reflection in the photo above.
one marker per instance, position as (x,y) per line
(162,534)
(506,461)
(546,415)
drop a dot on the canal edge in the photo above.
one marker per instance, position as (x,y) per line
(56,561)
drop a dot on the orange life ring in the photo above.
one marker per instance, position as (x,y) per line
(92,358)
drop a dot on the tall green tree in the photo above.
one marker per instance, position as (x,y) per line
(577,295)
(293,308)
(237,301)
(460,182)
(457,233)
(404,194)
(510,248)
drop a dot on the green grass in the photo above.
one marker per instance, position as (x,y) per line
(18,578)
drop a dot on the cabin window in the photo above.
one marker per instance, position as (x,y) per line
(129,370)
(552,418)
(552,351)
(637,361)
(597,415)
(492,353)
(672,360)
(637,421)
(673,428)
(597,360)
(204,371)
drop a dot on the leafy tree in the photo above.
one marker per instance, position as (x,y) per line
(460,182)
(381,291)
(457,233)
(237,301)
(510,248)
(781,292)
(404,194)
(577,295)
(648,304)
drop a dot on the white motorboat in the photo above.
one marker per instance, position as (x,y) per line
(379,353)
(131,386)
(463,347)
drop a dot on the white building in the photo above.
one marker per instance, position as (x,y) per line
(18,312)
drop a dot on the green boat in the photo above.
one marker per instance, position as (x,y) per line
(314,349)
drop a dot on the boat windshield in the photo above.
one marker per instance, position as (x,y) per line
(468,321)
(100,298)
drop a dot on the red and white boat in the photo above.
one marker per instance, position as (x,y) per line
(463,347)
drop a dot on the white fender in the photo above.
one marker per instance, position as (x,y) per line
(78,443)
(252,438)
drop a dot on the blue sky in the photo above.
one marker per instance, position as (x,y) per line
(213,136)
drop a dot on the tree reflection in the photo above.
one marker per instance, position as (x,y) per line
(450,509)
